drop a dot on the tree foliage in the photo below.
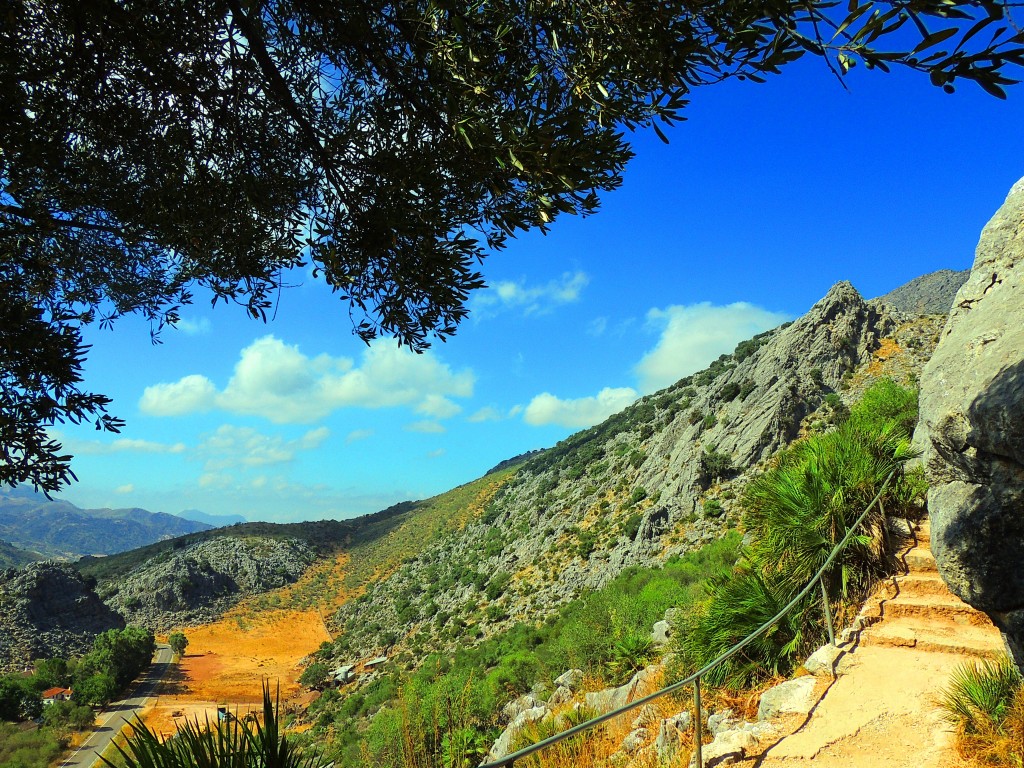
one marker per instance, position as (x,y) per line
(178,642)
(151,148)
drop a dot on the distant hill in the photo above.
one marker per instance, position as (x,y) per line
(217,521)
(14,557)
(59,529)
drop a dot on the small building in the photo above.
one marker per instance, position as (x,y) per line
(51,695)
(374,663)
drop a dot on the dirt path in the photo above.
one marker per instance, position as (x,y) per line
(881,711)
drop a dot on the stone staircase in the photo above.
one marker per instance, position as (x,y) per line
(881,710)
(917,610)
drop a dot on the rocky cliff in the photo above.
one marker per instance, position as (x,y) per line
(972,412)
(657,479)
(198,583)
(48,609)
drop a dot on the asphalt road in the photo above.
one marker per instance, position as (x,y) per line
(112,719)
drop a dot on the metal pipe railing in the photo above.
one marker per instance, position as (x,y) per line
(694,679)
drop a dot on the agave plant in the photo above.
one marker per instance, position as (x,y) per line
(232,743)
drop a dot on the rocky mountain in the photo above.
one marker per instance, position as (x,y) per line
(199,582)
(656,479)
(59,529)
(49,609)
(930,294)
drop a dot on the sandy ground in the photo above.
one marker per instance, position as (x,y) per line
(226,663)
(881,714)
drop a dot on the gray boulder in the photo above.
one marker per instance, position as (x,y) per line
(612,698)
(661,633)
(972,409)
(502,747)
(791,697)
(570,679)
(727,748)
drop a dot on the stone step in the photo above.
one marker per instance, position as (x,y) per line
(920,559)
(941,637)
(946,607)
(923,583)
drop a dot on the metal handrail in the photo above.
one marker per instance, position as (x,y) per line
(694,679)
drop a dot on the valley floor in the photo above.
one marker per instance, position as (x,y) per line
(227,661)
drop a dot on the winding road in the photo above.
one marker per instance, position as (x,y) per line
(112,719)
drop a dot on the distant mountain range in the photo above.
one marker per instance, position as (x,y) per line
(217,521)
(58,529)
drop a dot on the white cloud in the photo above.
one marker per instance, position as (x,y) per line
(694,336)
(119,445)
(199,327)
(545,408)
(358,434)
(438,407)
(126,488)
(487,413)
(278,382)
(425,427)
(506,294)
(436,454)
(231,447)
(597,326)
(192,394)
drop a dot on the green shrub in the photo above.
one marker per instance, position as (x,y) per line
(979,695)
(713,508)
(709,421)
(729,392)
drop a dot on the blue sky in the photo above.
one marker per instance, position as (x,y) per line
(767,195)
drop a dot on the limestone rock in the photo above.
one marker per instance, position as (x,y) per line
(728,747)
(560,696)
(503,745)
(516,707)
(724,720)
(612,698)
(972,409)
(791,697)
(634,740)
(824,661)
(670,732)
(661,633)
(571,679)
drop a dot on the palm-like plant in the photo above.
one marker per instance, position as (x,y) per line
(232,743)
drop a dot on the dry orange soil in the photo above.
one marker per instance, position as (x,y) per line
(226,663)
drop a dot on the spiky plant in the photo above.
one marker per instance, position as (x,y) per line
(979,695)
(737,606)
(228,744)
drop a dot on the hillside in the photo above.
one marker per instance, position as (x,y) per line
(656,480)
(59,529)
(15,557)
(48,609)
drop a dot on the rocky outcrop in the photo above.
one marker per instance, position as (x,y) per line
(47,610)
(199,583)
(972,412)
